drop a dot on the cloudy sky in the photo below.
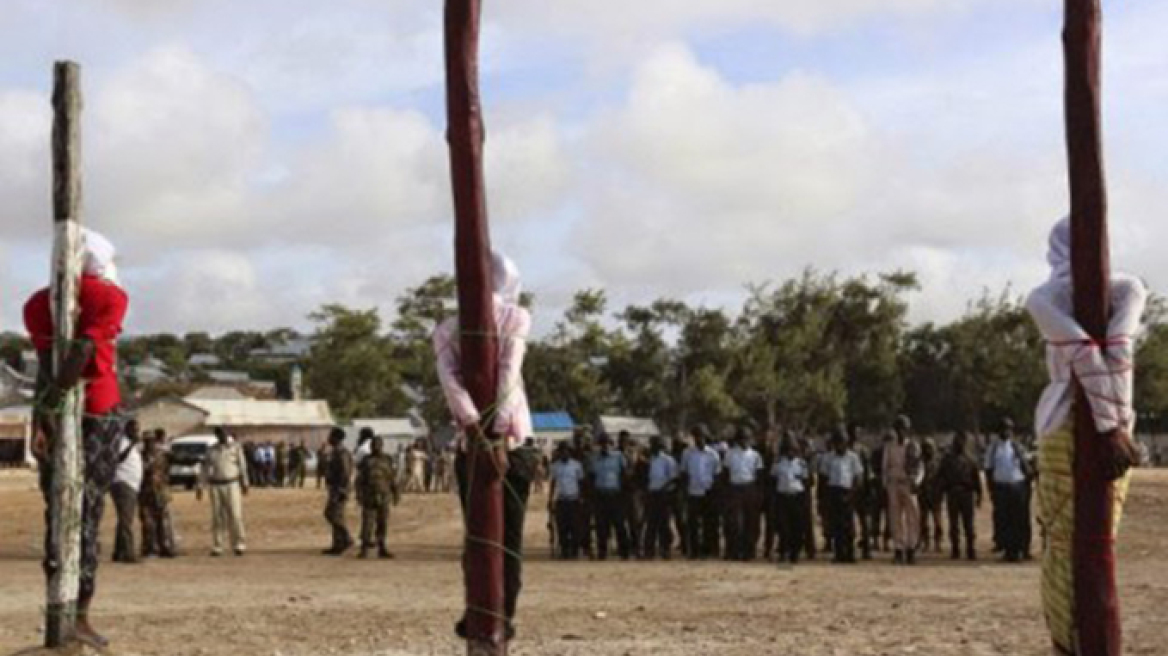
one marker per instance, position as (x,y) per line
(256,159)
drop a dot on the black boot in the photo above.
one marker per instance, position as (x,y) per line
(911,559)
(898,557)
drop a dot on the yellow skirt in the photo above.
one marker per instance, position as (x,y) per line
(1056,514)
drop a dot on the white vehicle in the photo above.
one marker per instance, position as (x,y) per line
(186,455)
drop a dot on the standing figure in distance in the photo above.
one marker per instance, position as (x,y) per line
(127,482)
(959,482)
(154,498)
(225,471)
(902,477)
(339,479)
(929,499)
(376,490)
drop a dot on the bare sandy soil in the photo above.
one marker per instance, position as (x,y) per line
(285,599)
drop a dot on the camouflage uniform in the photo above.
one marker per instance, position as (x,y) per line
(154,505)
(297,466)
(376,490)
(339,478)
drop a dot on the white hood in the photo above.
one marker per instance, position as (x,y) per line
(99,256)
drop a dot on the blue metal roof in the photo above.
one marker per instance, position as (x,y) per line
(552,421)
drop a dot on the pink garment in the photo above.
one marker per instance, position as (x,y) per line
(513,416)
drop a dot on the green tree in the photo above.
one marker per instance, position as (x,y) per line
(351,365)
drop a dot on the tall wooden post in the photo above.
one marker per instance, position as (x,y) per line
(1096,599)
(483,556)
(68,477)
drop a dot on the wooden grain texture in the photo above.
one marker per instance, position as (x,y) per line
(483,559)
(1096,598)
(68,479)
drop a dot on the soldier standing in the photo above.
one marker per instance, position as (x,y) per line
(929,497)
(154,498)
(959,481)
(322,462)
(281,464)
(297,465)
(376,490)
(338,478)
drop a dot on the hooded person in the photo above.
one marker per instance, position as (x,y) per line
(1106,373)
(90,357)
(509,419)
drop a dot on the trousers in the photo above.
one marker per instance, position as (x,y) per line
(904,515)
(227,517)
(658,532)
(516,489)
(126,506)
(100,438)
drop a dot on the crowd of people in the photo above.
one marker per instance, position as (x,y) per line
(788,497)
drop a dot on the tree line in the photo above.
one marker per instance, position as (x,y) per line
(805,354)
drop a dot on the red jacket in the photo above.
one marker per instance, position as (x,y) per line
(103,308)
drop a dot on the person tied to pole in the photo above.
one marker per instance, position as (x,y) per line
(91,357)
(224,473)
(1105,369)
(503,427)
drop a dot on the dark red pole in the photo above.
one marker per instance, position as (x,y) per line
(483,555)
(1096,599)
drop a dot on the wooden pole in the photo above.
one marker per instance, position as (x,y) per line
(1096,600)
(483,556)
(68,478)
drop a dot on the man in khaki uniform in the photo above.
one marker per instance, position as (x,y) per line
(225,472)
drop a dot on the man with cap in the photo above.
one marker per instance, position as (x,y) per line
(700,467)
(609,469)
(567,479)
(376,490)
(90,359)
(662,487)
(154,497)
(959,482)
(339,479)
(225,473)
(902,477)
(503,427)
(743,466)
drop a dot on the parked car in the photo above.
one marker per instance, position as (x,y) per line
(186,455)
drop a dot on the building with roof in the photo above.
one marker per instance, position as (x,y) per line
(249,420)
(395,431)
(551,427)
(16,436)
(640,428)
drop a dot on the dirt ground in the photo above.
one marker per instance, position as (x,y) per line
(285,599)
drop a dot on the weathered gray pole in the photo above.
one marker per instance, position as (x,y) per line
(68,479)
